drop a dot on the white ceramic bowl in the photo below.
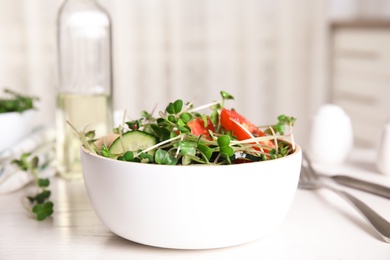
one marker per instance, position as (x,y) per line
(191,207)
(15,126)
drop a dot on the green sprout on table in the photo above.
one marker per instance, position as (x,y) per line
(40,205)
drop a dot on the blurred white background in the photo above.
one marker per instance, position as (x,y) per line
(274,56)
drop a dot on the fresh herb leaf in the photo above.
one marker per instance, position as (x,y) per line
(43,211)
(163,157)
(43,183)
(209,144)
(129,156)
(226,95)
(40,204)
(15,102)
(206,151)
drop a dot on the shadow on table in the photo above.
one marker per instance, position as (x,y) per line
(120,243)
(360,222)
(366,166)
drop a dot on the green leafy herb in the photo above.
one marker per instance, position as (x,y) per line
(225,96)
(164,157)
(43,210)
(40,204)
(280,127)
(16,102)
(224,147)
(177,144)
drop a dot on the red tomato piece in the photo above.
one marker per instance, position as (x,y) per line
(231,121)
(228,119)
(198,128)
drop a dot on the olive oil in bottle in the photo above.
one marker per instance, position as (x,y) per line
(91,111)
(85,79)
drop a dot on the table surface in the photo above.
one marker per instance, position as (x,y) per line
(320,225)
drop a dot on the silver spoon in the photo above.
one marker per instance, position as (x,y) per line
(352,182)
(309,180)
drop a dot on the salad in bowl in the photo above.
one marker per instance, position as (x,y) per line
(17,114)
(187,180)
(181,135)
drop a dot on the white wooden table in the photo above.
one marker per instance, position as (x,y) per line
(319,225)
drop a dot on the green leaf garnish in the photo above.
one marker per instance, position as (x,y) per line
(206,143)
(43,211)
(40,204)
(15,102)
(43,182)
(226,95)
(163,157)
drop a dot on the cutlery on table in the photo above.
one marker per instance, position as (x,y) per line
(309,180)
(366,186)
(351,182)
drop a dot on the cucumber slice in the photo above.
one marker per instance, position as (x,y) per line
(133,141)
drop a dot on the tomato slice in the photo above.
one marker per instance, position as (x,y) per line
(198,128)
(231,121)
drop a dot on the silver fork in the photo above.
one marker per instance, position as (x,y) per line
(310,181)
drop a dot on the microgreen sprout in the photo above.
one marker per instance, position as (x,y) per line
(15,102)
(40,205)
(87,138)
(207,141)
(280,128)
